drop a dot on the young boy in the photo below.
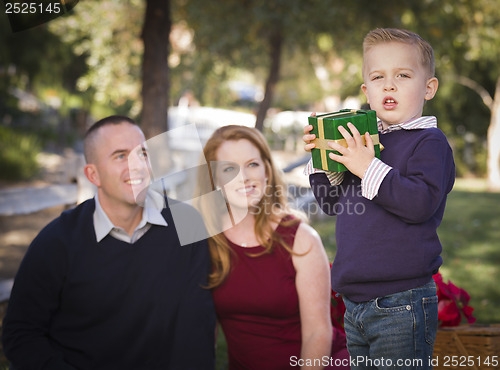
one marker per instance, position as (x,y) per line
(388,210)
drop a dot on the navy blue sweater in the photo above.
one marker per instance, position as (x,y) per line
(79,304)
(390,244)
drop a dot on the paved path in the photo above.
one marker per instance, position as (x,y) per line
(16,201)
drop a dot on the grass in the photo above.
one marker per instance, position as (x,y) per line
(221,360)
(470,234)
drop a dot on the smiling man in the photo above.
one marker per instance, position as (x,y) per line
(108,285)
(117,165)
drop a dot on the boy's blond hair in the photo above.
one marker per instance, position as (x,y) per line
(384,35)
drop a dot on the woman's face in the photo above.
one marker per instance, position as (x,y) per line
(241,173)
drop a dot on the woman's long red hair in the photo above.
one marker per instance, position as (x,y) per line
(270,210)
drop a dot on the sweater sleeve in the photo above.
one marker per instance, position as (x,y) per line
(33,301)
(194,346)
(429,177)
(326,195)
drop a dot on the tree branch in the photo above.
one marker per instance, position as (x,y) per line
(481,91)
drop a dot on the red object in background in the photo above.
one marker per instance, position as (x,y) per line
(452,303)
(337,309)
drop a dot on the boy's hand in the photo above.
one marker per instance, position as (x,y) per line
(356,157)
(307,138)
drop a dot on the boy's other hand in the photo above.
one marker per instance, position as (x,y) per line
(307,138)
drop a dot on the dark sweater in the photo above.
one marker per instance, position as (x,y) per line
(80,304)
(390,244)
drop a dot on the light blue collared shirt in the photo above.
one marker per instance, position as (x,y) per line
(151,215)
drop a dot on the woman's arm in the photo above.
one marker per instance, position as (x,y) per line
(313,288)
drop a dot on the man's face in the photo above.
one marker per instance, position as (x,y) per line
(396,83)
(121,165)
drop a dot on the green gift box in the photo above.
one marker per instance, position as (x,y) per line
(325,127)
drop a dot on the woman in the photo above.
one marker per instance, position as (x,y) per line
(270,278)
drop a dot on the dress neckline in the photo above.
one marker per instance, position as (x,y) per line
(278,229)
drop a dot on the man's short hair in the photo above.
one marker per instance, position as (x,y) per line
(90,135)
(384,35)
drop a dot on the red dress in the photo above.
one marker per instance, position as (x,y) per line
(258,307)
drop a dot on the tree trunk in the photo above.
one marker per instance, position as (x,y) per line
(155,72)
(275,43)
(494,143)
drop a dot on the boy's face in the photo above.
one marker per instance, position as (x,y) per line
(396,83)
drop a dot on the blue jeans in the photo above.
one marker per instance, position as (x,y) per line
(393,332)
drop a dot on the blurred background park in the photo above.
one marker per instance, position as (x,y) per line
(262,63)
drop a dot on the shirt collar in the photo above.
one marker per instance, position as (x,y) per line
(151,215)
(413,124)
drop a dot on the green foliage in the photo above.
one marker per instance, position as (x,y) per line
(469,234)
(38,73)
(18,153)
(112,50)
(221,360)
(37,57)
(296,90)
